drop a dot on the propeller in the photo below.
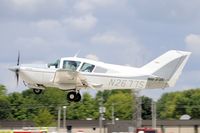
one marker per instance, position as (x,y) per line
(18,58)
(16,69)
(17,76)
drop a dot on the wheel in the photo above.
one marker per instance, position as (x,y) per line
(71,96)
(78,97)
(37,91)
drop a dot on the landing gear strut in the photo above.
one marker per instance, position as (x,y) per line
(74,96)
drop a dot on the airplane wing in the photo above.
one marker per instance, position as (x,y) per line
(63,76)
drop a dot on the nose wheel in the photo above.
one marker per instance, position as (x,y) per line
(73,96)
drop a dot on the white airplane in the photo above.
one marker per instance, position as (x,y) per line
(73,73)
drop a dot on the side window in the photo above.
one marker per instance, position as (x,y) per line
(86,67)
(100,70)
(55,64)
(71,65)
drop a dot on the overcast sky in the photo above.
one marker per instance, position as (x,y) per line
(115,31)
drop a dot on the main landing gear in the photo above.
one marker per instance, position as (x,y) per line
(37,91)
(73,96)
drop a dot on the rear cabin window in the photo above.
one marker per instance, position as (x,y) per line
(86,67)
(71,65)
(100,70)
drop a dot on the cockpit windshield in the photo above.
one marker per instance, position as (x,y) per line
(71,65)
(55,64)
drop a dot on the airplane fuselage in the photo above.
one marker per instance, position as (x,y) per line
(40,77)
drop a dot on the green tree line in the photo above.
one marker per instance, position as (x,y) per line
(43,108)
(175,104)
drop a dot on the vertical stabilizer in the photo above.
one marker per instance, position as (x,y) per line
(168,66)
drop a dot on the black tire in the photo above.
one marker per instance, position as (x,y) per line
(37,91)
(78,97)
(71,96)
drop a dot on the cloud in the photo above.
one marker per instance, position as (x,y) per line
(83,6)
(32,9)
(82,23)
(193,43)
(111,38)
(36,4)
(48,24)
(26,3)
(45,48)
(70,22)
(26,42)
(89,5)
(124,47)
(167,11)
(92,57)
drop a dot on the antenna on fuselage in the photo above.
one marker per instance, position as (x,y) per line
(77,53)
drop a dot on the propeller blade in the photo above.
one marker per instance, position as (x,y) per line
(18,59)
(17,76)
(17,70)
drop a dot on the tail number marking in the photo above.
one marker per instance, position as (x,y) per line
(127,83)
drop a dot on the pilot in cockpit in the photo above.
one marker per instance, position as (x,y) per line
(72,65)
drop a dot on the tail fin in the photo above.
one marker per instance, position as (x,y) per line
(168,66)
